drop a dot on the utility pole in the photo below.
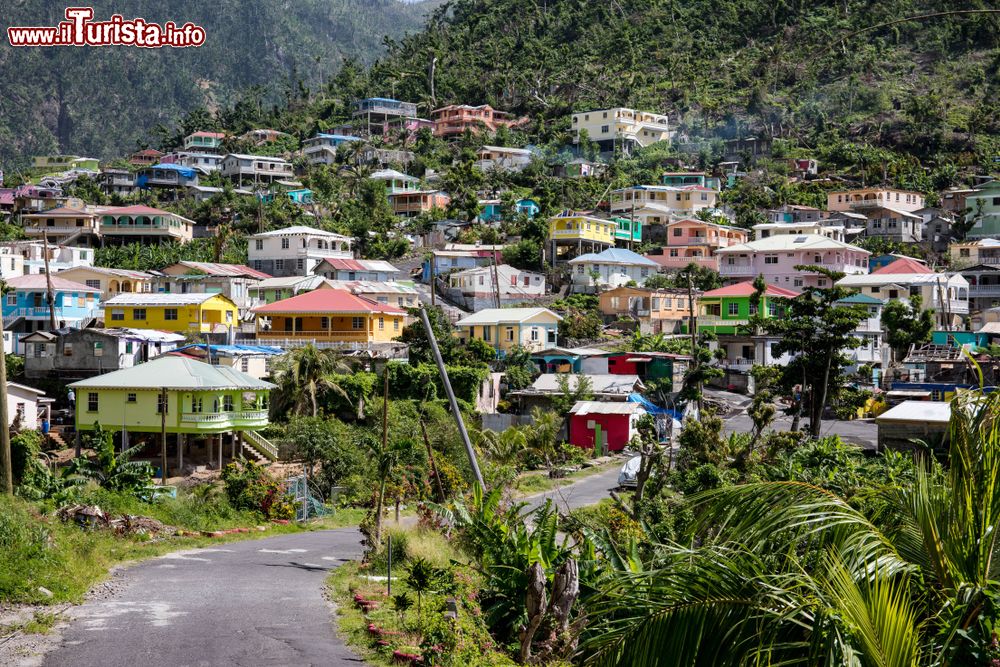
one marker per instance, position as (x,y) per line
(473,462)
(49,296)
(496,277)
(6,468)
(433,279)
(163,436)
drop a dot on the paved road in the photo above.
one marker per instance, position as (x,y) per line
(588,491)
(861,432)
(258,602)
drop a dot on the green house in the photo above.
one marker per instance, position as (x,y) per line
(203,402)
(629,231)
(724,310)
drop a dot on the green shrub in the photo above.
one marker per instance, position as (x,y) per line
(250,487)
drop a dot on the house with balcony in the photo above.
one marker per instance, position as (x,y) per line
(656,310)
(322,149)
(505,328)
(893,224)
(493,211)
(296,250)
(168,180)
(199,406)
(660,204)
(871,349)
(145,157)
(627,232)
(478,288)
(454,120)
(411,203)
(861,199)
(680,179)
(119,182)
(233,281)
(270,290)
(204,163)
(36,199)
(59,225)
(502,158)
(984,285)
(614,267)
(328,316)
(254,170)
(395,181)
(26,307)
(82,353)
(776,257)
(573,234)
(333,268)
(143,224)
(767,229)
(204,313)
(946,294)
(460,257)
(381,115)
(692,241)
(204,142)
(726,312)
(983,206)
(971,253)
(107,281)
(620,129)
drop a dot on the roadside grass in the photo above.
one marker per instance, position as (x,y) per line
(538,481)
(40,623)
(464,641)
(37,550)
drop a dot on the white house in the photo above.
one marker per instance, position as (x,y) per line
(872,350)
(613,267)
(252,169)
(295,251)
(476,288)
(660,204)
(620,128)
(336,268)
(27,407)
(502,159)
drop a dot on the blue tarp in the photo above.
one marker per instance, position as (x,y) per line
(653,408)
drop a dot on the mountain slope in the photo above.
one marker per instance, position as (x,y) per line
(100,101)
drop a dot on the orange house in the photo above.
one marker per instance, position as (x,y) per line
(656,310)
(696,241)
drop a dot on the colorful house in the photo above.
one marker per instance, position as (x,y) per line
(629,231)
(191,313)
(659,204)
(329,316)
(270,290)
(726,312)
(82,353)
(206,142)
(608,426)
(454,120)
(414,202)
(189,399)
(620,129)
(656,311)
(109,281)
(776,257)
(234,281)
(26,309)
(984,211)
(692,241)
(65,162)
(505,328)
(334,268)
(572,234)
(614,267)
(861,199)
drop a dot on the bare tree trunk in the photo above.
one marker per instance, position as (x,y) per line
(536,604)
(818,419)
(798,409)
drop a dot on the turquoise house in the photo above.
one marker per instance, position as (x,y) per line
(26,309)
(629,231)
(960,339)
(492,210)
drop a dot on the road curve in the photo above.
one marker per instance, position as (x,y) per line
(252,603)
(587,491)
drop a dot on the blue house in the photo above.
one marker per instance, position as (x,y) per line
(322,149)
(492,210)
(26,309)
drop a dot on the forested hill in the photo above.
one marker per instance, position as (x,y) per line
(100,101)
(798,68)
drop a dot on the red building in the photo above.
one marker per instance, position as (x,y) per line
(613,424)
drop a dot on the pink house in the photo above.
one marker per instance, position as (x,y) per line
(696,241)
(777,256)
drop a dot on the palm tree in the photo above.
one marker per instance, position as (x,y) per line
(504,447)
(303,374)
(785,572)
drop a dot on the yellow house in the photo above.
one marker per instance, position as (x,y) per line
(506,328)
(329,315)
(109,281)
(195,313)
(572,234)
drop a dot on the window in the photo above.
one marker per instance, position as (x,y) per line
(284,244)
(300,264)
(227,403)
(259,244)
(128,347)
(510,333)
(395,324)
(39,350)
(605,129)
(381,323)
(357,323)
(324,323)
(12,299)
(170,314)
(674,252)
(130,398)
(734,308)
(68,349)
(92,404)
(196,405)
(534,333)
(162,406)
(117,314)
(797,282)
(770,259)
(139,314)
(279,264)
(678,231)
(94,284)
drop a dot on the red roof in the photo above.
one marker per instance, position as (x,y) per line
(328,301)
(747,289)
(37,281)
(138,209)
(148,151)
(903,265)
(344,264)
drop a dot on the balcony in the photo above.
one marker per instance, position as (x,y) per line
(953,306)
(225,420)
(335,336)
(984,290)
(737,269)
(717,321)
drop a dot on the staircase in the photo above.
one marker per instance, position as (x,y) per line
(260,448)
(58,439)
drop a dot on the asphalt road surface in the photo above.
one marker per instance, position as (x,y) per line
(861,432)
(258,602)
(588,491)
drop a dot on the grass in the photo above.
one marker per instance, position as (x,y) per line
(40,623)
(39,550)
(538,481)
(464,641)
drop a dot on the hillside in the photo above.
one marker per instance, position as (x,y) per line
(791,68)
(101,101)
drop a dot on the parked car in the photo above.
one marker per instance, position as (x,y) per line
(629,472)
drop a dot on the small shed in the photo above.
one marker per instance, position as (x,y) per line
(611,425)
(901,426)
(27,407)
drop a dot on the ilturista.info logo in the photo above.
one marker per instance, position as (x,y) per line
(80,29)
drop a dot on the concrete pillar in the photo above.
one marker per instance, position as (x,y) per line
(180,452)
(232,446)
(220,452)
(239,440)
(211,458)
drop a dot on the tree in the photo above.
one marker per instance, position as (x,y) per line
(423,578)
(570,394)
(906,324)
(647,444)
(790,573)
(302,375)
(112,470)
(816,329)
(542,435)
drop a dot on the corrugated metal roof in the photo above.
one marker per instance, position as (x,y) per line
(216,269)
(490,316)
(327,301)
(607,408)
(931,412)
(38,281)
(600,383)
(159,299)
(173,372)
